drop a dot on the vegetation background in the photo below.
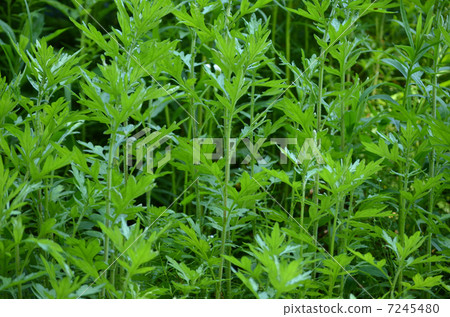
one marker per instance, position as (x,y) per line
(365,82)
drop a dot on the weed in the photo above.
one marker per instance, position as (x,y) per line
(224,149)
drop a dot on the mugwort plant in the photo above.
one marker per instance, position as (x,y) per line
(224,149)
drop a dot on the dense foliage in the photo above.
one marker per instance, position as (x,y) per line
(328,175)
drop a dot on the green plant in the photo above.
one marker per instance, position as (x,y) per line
(224,149)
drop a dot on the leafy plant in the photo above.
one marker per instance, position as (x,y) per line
(224,149)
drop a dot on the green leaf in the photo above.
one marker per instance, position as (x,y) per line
(424,284)
(8,30)
(371,213)
(402,68)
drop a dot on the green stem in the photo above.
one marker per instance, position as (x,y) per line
(404,172)
(252,162)
(349,216)
(38,131)
(108,199)
(125,284)
(397,278)
(347,236)
(228,267)
(227,131)
(403,211)
(227,125)
(192,128)
(82,46)
(17,260)
(29,21)
(225,196)
(290,168)
(334,227)
(193,111)
(291,212)
(316,177)
(342,109)
(332,282)
(274,32)
(380,33)
(75,228)
(288,42)
(402,215)
(433,151)
(302,207)
(406,100)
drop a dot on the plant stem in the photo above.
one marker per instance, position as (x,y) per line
(274,32)
(402,213)
(30,21)
(228,118)
(397,278)
(334,227)
(349,216)
(302,207)
(346,235)
(227,126)
(17,260)
(75,228)
(343,110)
(38,131)
(288,42)
(380,33)
(252,162)
(82,95)
(316,177)
(433,151)
(193,111)
(294,179)
(108,198)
